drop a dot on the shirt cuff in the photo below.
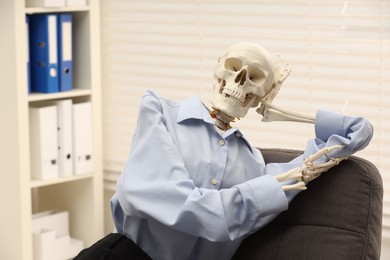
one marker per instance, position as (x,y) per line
(267,194)
(329,123)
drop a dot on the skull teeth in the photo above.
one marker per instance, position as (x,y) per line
(233,95)
(236,97)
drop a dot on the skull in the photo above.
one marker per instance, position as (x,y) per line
(242,77)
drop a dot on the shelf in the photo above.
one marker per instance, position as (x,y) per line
(38,10)
(42,183)
(68,94)
(80,195)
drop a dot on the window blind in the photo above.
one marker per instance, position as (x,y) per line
(339,52)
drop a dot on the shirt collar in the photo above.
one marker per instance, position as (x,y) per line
(193,108)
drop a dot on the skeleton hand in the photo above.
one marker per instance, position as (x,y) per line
(293,174)
(309,170)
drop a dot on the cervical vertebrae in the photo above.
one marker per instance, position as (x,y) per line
(222,120)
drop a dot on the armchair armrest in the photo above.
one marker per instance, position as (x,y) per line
(339,216)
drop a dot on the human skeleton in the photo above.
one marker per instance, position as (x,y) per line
(247,76)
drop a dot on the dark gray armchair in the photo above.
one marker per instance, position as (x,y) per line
(339,216)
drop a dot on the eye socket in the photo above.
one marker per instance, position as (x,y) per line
(233,64)
(257,76)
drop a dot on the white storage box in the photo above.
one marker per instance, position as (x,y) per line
(51,220)
(76,2)
(45,3)
(51,239)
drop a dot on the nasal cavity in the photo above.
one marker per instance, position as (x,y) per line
(241,77)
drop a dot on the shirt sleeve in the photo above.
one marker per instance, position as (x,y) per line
(331,128)
(155,184)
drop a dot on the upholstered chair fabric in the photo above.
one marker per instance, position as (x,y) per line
(339,216)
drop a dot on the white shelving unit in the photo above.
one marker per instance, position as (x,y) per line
(20,197)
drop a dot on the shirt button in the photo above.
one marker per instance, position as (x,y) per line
(221,142)
(214,181)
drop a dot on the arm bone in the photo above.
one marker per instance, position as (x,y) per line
(271,112)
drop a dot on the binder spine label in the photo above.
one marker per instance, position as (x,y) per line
(52,39)
(67,41)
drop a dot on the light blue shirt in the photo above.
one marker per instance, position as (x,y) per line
(190,192)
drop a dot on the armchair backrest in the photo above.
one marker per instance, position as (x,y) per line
(339,216)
